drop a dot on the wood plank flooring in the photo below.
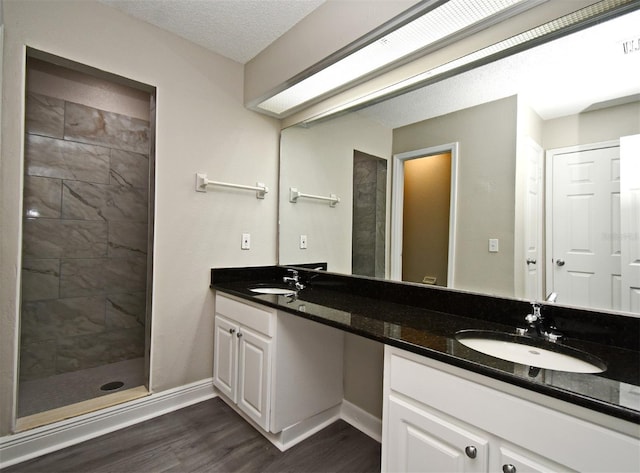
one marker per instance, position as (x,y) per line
(209,437)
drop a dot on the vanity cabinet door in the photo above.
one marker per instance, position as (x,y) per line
(254,375)
(420,441)
(225,357)
(512,461)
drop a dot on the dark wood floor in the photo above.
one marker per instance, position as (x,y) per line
(209,437)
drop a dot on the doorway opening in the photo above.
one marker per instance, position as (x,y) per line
(423,215)
(87,238)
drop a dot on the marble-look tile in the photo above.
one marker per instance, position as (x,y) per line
(42,197)
(126,310)
(84,200)
(40,279)
(44,115)
(127,239)
(88,351)
(126,274)
(48,238)
(49,157)
(83,277)
(369,207)
(90,125)
(87,201)
(127,203)
(129,169)
(60,318)
(37,360)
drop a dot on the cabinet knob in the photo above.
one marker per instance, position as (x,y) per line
(239,334)
(471,451)
(508,468)
(232,331)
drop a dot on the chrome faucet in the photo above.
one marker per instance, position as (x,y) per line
(540,326)
(293,280)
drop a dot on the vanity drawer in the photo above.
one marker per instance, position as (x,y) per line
(258,318)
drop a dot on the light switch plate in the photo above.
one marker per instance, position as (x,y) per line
(493,245)
(303,242)
(246,241)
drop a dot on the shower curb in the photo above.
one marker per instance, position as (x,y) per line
(49,438)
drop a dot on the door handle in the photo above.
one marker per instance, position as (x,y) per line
(560,262)
(531,261)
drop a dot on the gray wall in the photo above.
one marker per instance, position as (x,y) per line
(592,126)
(485,188)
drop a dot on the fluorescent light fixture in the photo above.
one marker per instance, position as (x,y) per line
(435,26)
(482,56)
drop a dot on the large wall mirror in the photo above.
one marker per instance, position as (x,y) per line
(536,161)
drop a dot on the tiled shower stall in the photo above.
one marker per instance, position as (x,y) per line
(85,239)
(369,215)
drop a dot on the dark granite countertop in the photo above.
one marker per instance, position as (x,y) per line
(424,320)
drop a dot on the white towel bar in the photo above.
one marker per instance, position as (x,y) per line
(295,194)
(202,182)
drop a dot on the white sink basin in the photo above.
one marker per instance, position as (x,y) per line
(280,291)
(530,351)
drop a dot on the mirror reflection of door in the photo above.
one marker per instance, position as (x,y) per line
(533,157)
(595,215)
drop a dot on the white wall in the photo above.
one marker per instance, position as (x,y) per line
(202,126)
(319,160)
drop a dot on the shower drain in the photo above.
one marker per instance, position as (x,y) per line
(112,386)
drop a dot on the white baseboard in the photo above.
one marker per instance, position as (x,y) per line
(48,438)
(361,420)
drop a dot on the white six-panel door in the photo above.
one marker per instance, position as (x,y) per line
(585,258)
(534,265)
(630,222)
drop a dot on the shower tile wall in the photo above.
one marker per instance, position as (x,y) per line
(369,215)
(84,237)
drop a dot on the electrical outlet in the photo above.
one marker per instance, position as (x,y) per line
(303,242)
(246,241)
(493,245)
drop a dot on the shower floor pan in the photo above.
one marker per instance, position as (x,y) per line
(40,395)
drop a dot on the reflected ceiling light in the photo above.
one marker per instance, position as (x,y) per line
(482,56)
(439,23)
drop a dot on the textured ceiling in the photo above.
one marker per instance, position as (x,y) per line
(237,29)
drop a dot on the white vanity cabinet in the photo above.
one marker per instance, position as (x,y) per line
(281,371)
(436,421)
(242,358)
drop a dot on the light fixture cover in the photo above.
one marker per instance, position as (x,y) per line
(426,30)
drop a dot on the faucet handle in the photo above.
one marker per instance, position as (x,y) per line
(536,315)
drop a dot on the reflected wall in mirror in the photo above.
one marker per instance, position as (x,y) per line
(510,119)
